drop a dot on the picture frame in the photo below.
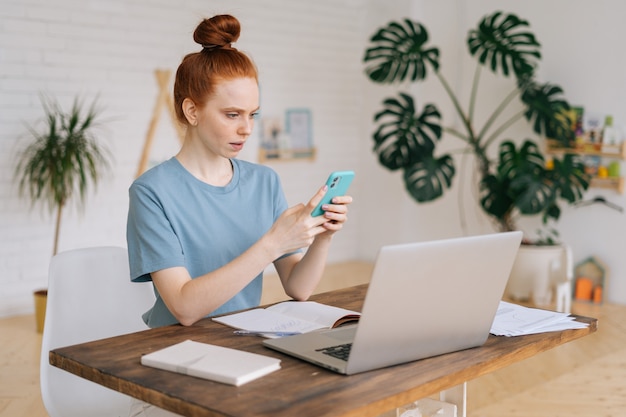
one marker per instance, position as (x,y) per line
(298,125)
(294,141)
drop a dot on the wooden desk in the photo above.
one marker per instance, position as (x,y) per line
(298,389)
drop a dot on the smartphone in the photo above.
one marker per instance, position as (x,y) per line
(338,183)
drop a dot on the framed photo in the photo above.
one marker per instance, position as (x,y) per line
(298,125)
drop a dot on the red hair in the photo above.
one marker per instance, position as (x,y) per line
(199,72)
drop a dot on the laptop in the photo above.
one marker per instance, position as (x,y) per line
(424,299)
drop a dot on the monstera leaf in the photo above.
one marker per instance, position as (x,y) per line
(427,179)
(569,181)
(494,196)
(512,163)
(570,177)
(400,52)
(546,111)
(519,181)
(525,169)
(532,194)
(503,44)
(404,137)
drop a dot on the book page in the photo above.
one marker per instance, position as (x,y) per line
(288,316)
(263,320)
(322,314)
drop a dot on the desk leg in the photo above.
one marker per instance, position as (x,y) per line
(458,396)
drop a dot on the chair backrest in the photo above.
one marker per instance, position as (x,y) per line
(90,297)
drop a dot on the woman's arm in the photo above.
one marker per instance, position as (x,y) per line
(300,274)
(189,299)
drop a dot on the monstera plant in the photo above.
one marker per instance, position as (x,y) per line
(519,181)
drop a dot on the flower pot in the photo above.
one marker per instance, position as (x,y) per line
(535,272)
(41,298)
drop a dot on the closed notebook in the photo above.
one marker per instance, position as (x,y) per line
(216,363)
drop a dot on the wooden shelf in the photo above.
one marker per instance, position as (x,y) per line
(266,155)
(609,183)
(605,151)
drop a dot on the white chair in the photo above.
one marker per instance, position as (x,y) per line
(90,296)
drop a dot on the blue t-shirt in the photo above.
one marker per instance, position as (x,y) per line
(175,220)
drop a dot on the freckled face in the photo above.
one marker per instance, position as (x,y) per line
(226,120)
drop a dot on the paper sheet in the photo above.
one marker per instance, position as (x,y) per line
(515,320)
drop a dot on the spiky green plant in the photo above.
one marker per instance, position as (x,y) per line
(64,158)
(518,182)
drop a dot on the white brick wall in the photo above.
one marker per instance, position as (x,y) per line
(308,54)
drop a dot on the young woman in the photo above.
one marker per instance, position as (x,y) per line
(203,225)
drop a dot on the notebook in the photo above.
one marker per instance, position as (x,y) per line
(217,363)
(424,299)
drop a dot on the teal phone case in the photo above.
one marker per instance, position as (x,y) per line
(338,183)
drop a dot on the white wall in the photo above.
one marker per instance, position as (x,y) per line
(309,55)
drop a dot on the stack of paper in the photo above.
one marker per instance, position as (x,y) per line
(516,320)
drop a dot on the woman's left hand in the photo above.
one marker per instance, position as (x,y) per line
(336,214)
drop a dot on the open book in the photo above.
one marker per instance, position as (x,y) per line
(290,316)
(216,363)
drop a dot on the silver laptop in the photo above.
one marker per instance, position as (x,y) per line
(424,299)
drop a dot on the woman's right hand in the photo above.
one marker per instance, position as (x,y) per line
(296,228)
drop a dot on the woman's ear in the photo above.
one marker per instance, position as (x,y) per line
(190,111)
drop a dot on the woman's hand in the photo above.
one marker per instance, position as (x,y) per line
(297,229)
(336,214)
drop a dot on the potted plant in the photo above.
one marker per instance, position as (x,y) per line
(519,180)
(63,158)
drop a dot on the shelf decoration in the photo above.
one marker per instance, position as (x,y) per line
(590,281)
(597,140)
(294,141)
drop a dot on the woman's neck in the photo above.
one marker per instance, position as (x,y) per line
(216,171)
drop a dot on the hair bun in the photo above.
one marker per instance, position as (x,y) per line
(218,32)
(213,47)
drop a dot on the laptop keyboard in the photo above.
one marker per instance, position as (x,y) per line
(340,351)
